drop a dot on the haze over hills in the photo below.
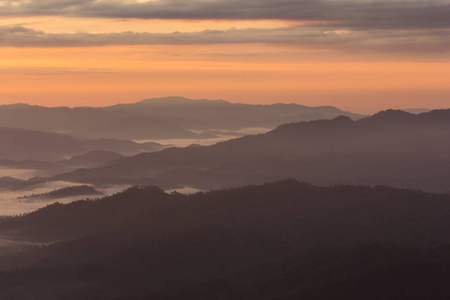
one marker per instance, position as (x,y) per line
(21,144)
(111,191)
(89,122)
(284,240)
(204,114)
(71,191)
(43,168)
(161,118)
(281,240)
(390,148)
(33,171)
(92,159)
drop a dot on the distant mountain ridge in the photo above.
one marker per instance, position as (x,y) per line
(92,158)
(71,191)
(390,148)
(89,122)
(220,114)
(22,144)
(159,118)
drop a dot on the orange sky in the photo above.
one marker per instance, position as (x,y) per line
(257,72)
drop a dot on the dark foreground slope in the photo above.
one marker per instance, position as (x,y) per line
(284,240)
(390,148)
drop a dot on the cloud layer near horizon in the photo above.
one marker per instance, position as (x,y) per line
(212,48)
(307,37)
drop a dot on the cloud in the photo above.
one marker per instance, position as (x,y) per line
(379,25)
(363,14)
(297,36)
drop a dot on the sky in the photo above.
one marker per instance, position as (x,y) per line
(362,56)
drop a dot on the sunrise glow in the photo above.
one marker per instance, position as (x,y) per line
(81,55)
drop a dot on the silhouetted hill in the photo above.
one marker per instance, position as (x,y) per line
(43,167)
(7,181)
(90,122)
(283,240)
(367,271)
(162,118)
(92,159)
(371,210)
(71,191)
(21,144)
(390,148)
(219,114)
(416,110)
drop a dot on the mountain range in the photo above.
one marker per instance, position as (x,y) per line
(159,118)
(88,122)
(204,114)
(282,240)
(389,148)
(22,144)
(335,230)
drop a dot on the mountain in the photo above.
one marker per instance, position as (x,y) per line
(71,191)
(389,148)
(89,122)
(41,167)
(219,114)
(91,159)
(21,144)
(162,118)
(281,240)
(416,110)
(7,182)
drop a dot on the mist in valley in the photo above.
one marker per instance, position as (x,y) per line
(22,201)
(285,212)
(224,150)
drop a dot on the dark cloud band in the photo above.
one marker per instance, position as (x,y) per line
(315,38)
(398,14)
(396,25)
